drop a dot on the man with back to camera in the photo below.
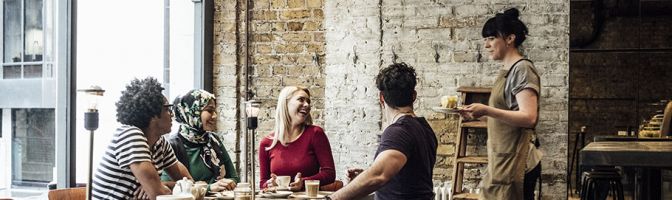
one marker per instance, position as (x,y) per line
(405,158)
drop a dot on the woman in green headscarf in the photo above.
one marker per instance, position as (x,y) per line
(197,146)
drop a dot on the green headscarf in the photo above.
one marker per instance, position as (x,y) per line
(188,110)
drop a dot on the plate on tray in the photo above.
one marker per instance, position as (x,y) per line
(447,110)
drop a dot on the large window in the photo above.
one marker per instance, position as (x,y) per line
(112,48)
(33,133)
(30,87)
(136,44)
(24,40)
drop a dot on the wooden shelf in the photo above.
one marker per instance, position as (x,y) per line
(474,124)
(465,196)
(465,89)
(473,159)
(468,95)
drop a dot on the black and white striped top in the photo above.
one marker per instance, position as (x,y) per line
(113,178)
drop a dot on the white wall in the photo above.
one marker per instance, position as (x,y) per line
(6,149)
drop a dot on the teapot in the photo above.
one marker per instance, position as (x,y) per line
(183,186)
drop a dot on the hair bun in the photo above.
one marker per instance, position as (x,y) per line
(512,12)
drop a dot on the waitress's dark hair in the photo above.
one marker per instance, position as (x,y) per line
(504,24)
(397,82)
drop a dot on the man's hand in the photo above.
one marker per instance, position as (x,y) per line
(149,179)
(353,172)
(141,194)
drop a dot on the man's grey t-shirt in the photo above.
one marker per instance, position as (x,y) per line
(413,137)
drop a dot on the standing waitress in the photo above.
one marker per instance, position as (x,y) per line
(513,157)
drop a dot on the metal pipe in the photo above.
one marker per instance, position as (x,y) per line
(247,88)
(166,48)
(238,135)
(89,184)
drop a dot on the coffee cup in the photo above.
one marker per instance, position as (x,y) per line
(283,181)
(312,187)
(199,189)
(444,101)
(449,101)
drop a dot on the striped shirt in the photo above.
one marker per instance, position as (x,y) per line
(113,178)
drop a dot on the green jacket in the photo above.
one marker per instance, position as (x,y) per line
(189,157)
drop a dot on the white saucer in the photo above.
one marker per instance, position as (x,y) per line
(280,194)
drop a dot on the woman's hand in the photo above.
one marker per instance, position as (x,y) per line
(297,185)
(222,184)
(475,110)
(271,182)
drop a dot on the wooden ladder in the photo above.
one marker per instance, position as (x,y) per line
(468,96)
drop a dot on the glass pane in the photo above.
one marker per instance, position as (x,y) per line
(34,42)
(12,29)
(181,45)
(48,31)
(138,54)
(28,143)
(11,72)
(33,146)
(32,71)
(48,70)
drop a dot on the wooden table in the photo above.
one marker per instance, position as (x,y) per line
(259,197)
(650,157)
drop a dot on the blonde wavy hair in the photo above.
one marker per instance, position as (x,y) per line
(283,122)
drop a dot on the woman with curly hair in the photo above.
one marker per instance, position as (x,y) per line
(512,112)
(197,146)
(129,168)
(296,147)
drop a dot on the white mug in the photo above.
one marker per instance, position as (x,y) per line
(283,181)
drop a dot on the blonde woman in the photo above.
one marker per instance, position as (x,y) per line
(295,148)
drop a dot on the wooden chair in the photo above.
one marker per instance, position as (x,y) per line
(78,193)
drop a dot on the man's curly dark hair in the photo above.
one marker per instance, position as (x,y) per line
(397,82)
(141,101)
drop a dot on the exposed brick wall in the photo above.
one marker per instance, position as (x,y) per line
(227,73)
(343,44)
(286,48)
(441,39)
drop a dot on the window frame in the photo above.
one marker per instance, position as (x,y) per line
(23,64)
(65,54)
